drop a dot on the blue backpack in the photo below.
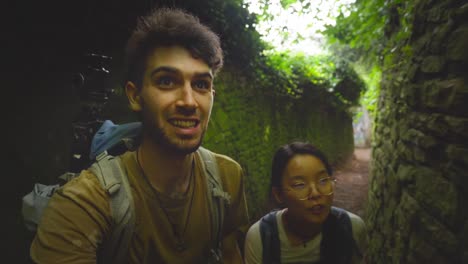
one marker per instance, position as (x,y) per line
(337,245)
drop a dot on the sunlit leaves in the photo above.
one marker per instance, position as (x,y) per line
(286,3)
(296,24)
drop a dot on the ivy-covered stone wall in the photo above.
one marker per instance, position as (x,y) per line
(419,186)
(249,126)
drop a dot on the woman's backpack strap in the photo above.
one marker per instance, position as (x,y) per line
(337,244)
(270,239)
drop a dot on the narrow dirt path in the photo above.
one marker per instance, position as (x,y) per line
(352,182)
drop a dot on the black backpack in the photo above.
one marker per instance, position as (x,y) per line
(337,245)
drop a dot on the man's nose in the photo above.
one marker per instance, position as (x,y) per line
(187,97)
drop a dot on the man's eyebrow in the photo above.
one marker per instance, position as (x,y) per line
(204,75)
(175,70)
(164,69)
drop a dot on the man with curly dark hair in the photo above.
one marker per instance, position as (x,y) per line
(172,60)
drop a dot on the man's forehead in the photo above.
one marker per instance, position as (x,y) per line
(176,57)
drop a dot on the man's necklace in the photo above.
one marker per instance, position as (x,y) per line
(180,243)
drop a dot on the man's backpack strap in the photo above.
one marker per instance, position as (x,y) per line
(271,252)
(218,201)
(114,180)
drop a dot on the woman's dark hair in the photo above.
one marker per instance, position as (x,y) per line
(169,27)
(288,151)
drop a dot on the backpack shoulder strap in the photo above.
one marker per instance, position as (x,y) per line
(109,171)
(345,222)
(218,199)
(270,238)
(337,244)
(211,166)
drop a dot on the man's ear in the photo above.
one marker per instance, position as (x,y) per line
(133,95)
(277,194)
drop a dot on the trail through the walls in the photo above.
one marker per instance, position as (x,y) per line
(352,182)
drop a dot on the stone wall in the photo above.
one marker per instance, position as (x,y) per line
(419,184)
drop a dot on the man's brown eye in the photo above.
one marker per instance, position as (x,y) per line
(165,81)
(201,84)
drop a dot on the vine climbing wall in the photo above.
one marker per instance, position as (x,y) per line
(249,126)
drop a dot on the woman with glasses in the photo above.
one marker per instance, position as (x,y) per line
(307,229)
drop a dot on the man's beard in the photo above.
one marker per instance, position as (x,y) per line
(159,137)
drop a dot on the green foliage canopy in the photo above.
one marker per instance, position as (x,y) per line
(326,79)
(369,35)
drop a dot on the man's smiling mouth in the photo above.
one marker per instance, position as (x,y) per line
(183,123)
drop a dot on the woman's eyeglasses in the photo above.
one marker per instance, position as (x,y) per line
(302,190)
